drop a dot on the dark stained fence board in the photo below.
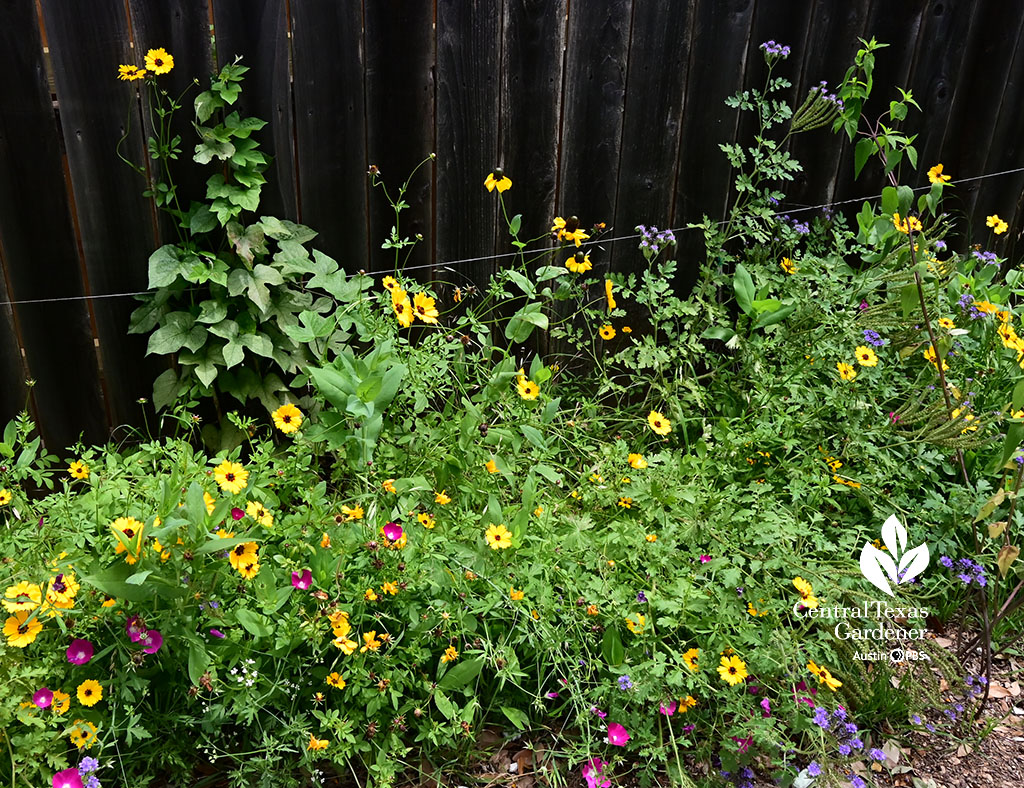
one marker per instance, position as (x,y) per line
(13,372)
(469,40)
(258,31)
(114,220)
(40,253)
(399,86)
(330,126)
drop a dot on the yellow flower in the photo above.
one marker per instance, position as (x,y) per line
(389,486)
(592,610)
(732,670)
(210,502)
(607,332)
(425,520)
(935,175)
(390,283)
(347,646)
(450,654)
(608,295)
(498,537)
(325,541)
(19,631)
(787,266)
(25,596)
(687,703)
(5,497)
(78,470)
(389,588)
(370,641)
(316,744)
(491,466)
(579,263)
(61,702)
(825,677)
(986,306)
(498,180)
(946,323)
(568,230)
(242,554)
(222,534)
(527,389)
(911,223)
(998,225)
(260,514)
(335,680)
(636,623)
(866,356)
(231,477)
(442,498)
(690,658)
(158,61)
(929,355)
(423,308)
(402,306)
(353,512)
(806,591)
(514,595)
(967,417)
(126,73)
(130,530)
(659,423)
(538,511)
(287,418)
(651,537)
(846,371)
(83,734)
(637,461)
(90,692)
(626,502)
(370,595)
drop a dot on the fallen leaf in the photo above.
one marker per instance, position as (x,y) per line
(943,642)
(996,691)
(1015,689)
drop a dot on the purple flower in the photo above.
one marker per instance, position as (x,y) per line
(217,633)
(855,781)
(135,629)
(844,749)
(856,743)
(821,717)
(801,227)
(80,651)
(873,338)
(393,532)
(598,712)
(813,769)
(87,765)
(773,50)
(946,561)
(940,246)
(551,695)
(863,305)
(766,707)
(42,698)
(641,597)
(303,581)
(840,714)
(152,641)
(876,754)
(916,720)
(214,604)
(625,683)
(92,781)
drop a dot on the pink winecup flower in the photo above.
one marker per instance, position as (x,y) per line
(617,735)
(744,744)
(668,709)
(303,581)
(68,778)
(705,558)
(598,712)
(43,698)
(766,707)
(237,514)
(216,633)
(80,651)
(393,531)
(152,641)
(551,695)
(135,629)
(592,773)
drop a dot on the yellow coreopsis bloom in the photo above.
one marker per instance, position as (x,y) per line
(260,514)
(787,266)
(5,497)
(425,520)
(636,623)
(491,466)
(242,554)
(608,287)
(515,595)
(90,692)
(998,225)
(423,307)
(637,461)
(659,423)
(498,537)
(498,180)
(231,477)
(316,744)
(389,283)
(335,680)
(935,175)
(22,596)
(579,263)
(442,498)
(353,512)
(78,470)
(527,389)
(866,356)
(403,307)
(607,332)
(19,631)
(732,670)
(287,418)
(159,61)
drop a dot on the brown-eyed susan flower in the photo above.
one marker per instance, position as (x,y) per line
(905,226)
(690,659)
(159,61)
(83,734)
(260,514)
(389,486)
(998,225)
(335,680)
(126,73)
(498,537)
(61,702)
(78,470)
(515,595)
(929,355)
(22,596)
(403,307)
(389,283)
(787,265)
(210,502)
(370,595)
(287,418)
(609,286)
(242,554)
(579,263)
(450,654)
(946,323)
(231,477)
(866,356)
(732,670)
(316,744)
(687,703)
(425,520)
(128,531)
(825,677)
(607,332)
(846,371)
(491,466)
(659,423)
(637,461)
(636,623)
(442,498)
(20,631)
(526,388)
(423,308)
(498,180)
(568,230)
(389,587)
(353,512)
(90,692)
(61,590)
(935,175)
(5,497)
(626,502)
(806,591)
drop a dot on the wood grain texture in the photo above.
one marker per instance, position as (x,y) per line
(14,373)
(330,126)
(40,254)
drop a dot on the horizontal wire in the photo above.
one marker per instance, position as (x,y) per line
(503,255)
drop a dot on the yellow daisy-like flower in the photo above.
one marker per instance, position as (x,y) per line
(325,541)
(637,461)
(498,180)
(935,175)
(403,307)
(651,537)
(425,520)
(260,514)
(83,734)
(732,670)
(90,692)
(389,283)
(813,668)
(61,702)
(159,61)
(5,497)
(423,307)
(607,332)
(787,266)
(968,418)
(636,623)
(626,502)
(210,502)
(126,73)
(498,537)
(222,534)
(825,677)
(659,423)
(905,226)
(19,631)
(130,530)
(316,744)
(866,356)
(579,263)
(61,591)
(929,355)
(250,570)
(998,225)
(946,323)
(370,641)
(442,498)
(242,554)
(527,389)
(450,654)
(987,307)
(389,486)
(592,610)
(690,658)
(287,418)
(568,230)
(231,477)
(609,297)
(809,600)
(491,466)
(370,595)
(353,512)
(389,587)
(22,596)
(687,703)
(348,647)
(78,470)
(515,595)
(335,680)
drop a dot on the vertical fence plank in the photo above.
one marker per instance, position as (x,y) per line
(399,84)
(469,44)
(12,367)
(114,220)
(258,31)
(37,238)
(330,126)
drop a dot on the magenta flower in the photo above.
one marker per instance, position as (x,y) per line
(216,633)
(617,735)
(152,641)
(69,778)
(303,581)
(237,514)
(766,707)
(688,728)
(744,744)
(668,709)
(80,651)
(43,698)
(551,695)
(135,628)
(705,558)
(592,773)
(598,712)
(393,532)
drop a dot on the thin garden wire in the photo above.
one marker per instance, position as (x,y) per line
(449,264)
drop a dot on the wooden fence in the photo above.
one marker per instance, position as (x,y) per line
(611,110)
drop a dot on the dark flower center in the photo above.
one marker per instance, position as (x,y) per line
(732,671)
(240,550)
(287,419)
(229,476)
